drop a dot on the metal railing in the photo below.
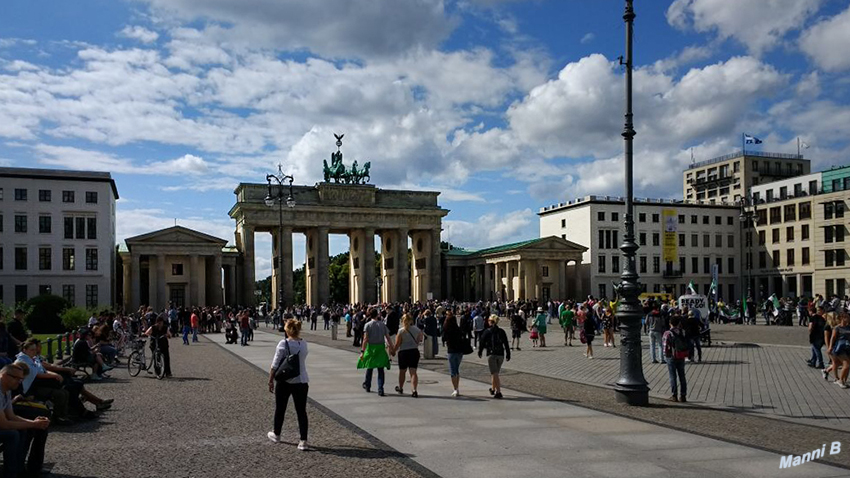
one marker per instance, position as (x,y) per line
(738,154)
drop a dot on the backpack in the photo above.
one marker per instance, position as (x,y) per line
(679,345)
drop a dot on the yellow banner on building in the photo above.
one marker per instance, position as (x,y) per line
(670,252)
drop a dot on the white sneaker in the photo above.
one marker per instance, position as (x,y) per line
(455,394)
(273,437)
(302,445)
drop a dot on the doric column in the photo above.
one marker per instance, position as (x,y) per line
(161,291)
(435,264)
(402,266)
(466,283)
(389,265)
(487,283)
(153,300)
(323,265)
(248,273)
(127,288)
(448,280)
(367,263)
(523,281)
(509,280)
(231,284)
(282,274)
(532,272)
(215,280)
(195,281)
(562,281)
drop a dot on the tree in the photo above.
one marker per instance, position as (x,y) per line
(338,274)
(45,316)
(265,288)
(299,286)
(75,317)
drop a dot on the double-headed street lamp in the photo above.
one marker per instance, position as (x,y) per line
(279,198)
(749,215)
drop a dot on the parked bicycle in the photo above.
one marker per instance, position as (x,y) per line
(138,360)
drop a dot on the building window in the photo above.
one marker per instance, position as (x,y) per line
(774,235)
(681,218)
(789,234)
(694,265)
(546,271)
(730,241)
(44,195)
(828,236)
(615,264)
(68,263)
(790,213)
(656,239)
(91,197)
(20,194)
(601,264)
(91,227)
(718,241)
(656,218)
(736,166)
(829,258)
(755,165)
(775,257)
(789,257)
(81,227)
(643,264)
(694,240)
(762,215)
(719,263)
(45,224)
(601,239)
(91,295)
(705,220)
(45,258)
(718,220)
(20,223)
(828,210)
(177,269)
(91,259)
(608,240)
(775,215)
(20,258)
(1,267)
(805,210)
(839,233)
(1,198)
(804,232)
(706,265)
(642,238)
(681,240)
(730,221)
(67,196)
(783,191)
(839,258)
(706,240)
(563,223)
(602,290)
(839,209)
(642,217)
(20,293)
(762,239)
(731,266)
(600,216)
(69,227)
(682,265)
(693,219)
(615,216)
(69,293)
(656,265)
(804,256)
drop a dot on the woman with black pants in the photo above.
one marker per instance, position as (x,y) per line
(160,333)
(296,387)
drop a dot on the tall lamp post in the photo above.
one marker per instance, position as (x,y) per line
(281,199)
(631,387)
(749,215)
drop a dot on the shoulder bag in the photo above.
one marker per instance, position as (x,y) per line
(289,367)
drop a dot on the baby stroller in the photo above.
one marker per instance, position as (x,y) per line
(230,333)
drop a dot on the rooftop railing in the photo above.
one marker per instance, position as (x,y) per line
(738,154)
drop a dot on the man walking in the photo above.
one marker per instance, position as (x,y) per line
(675,346)
(657,324)
(816,327)
(245,325)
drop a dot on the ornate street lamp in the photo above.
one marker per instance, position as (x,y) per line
(749,216)
(631,387)
(279,198)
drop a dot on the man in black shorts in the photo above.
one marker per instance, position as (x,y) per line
(518,326)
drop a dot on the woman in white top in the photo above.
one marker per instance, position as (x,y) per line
(296,387)
(407,343)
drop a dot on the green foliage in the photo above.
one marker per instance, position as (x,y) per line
(75,317)
(338,274)
(299,286)
(45,315)
(265,288)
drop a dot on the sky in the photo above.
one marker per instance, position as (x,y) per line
(504,106)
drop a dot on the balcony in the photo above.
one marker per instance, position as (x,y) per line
(671,274)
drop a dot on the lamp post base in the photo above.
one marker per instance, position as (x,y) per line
(632,396)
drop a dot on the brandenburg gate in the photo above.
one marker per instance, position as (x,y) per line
(359,211)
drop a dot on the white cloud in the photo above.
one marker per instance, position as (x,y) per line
(587,38)
(139,33)
(491,229)
(332,28)
(759,24)
(92,160)
(826,42)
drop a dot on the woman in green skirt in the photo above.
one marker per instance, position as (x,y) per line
(373,352)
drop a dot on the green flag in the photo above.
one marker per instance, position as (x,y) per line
(776,305)
(713,289)
(745,309)
(691,287)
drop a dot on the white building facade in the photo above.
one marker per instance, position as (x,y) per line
(679,243)
(57,236)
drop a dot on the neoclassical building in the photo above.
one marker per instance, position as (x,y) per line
(177,265)
(534,269)
(359,211)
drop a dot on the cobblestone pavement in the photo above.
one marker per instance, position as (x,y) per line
(729,424)
(761,334)
(210,420)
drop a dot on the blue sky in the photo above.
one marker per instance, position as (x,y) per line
(504,106)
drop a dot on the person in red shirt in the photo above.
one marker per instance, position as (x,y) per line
(245,325)
(196,322)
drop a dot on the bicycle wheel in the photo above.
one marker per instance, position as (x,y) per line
(159,365)
(135,363)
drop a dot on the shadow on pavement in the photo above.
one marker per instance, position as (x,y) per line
(358,452)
